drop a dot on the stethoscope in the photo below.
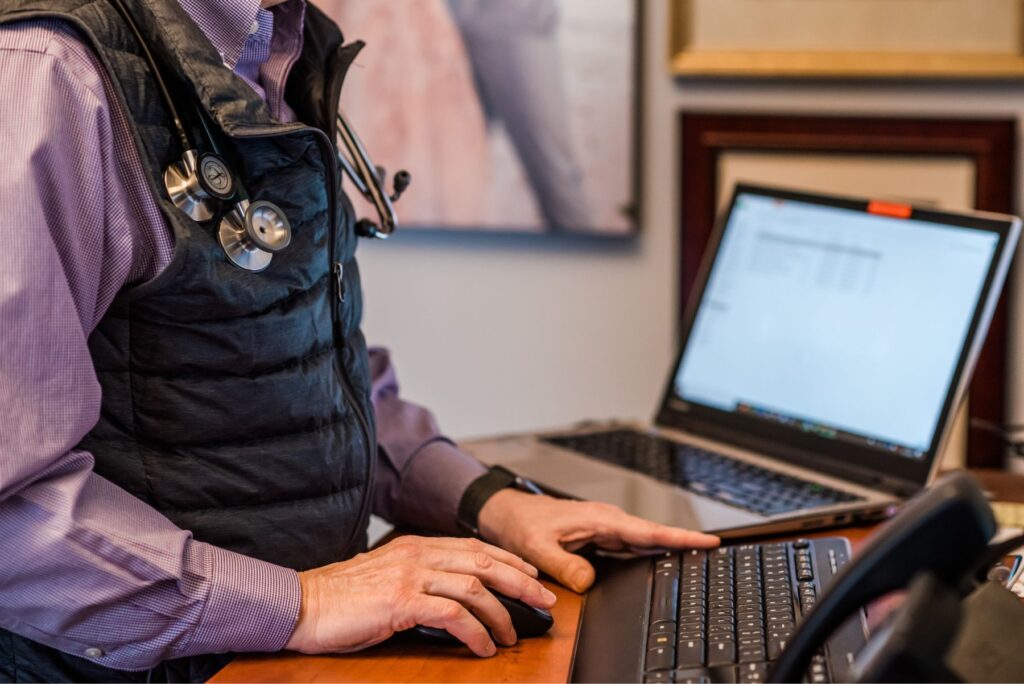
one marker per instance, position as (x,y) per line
(251,232)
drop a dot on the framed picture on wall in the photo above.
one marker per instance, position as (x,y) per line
(952,164)
(847,38)
(511,116)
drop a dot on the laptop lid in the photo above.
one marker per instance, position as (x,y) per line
(838,333)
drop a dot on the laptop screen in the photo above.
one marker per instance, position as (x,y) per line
(834,321)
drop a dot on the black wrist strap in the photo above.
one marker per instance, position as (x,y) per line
(483,488)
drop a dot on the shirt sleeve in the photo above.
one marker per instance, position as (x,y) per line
(88,568)
(422,474)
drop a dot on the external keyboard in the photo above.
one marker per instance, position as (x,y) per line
(729,480)
(726,614)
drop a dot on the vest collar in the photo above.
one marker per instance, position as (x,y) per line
(183,50)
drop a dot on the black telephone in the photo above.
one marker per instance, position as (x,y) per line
(951,626)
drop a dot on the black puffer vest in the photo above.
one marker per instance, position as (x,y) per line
(235,403)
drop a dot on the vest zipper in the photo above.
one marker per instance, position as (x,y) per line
(339,339)
(339,280)
(338,286)
(338,68)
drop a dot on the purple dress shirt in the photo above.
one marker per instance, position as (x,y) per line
(86,567)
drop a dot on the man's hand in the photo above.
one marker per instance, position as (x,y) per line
(412,581)
(545,531)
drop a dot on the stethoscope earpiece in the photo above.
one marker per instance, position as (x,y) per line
(369,180)
(252,232)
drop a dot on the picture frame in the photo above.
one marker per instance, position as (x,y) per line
(847,39)
(512,117)
(987,146)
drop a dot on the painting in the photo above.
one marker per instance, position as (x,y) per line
(887,39)
(510,116)
(948,163)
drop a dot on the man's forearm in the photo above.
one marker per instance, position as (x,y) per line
(92,571)
(421,474)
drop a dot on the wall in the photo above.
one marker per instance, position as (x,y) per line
(502,333)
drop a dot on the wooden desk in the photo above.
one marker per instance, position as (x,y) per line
(545,659)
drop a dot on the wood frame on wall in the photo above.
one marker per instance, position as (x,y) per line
(989,144)
(684,61)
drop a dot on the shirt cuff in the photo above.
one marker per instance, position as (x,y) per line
(253,605)
(433,484)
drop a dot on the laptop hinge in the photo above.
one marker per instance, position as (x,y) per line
(900,488)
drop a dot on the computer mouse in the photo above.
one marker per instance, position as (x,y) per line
(526,620)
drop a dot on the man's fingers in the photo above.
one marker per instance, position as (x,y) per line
(471,593)
(569,569)
(640,533)
(470,544)
(452,616)
(501,577)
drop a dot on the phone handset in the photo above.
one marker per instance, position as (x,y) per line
(942,531)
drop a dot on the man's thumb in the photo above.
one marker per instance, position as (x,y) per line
(568,568)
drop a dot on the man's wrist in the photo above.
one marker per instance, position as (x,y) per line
(482,489)
(498,511)
(252,605)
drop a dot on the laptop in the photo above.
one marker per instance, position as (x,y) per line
(828,346)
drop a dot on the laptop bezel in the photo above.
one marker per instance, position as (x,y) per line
(863,464)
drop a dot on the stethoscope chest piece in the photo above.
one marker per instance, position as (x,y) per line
(201,182)
(251,232)
(197,182)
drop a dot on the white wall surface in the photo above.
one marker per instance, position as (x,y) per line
(510,333)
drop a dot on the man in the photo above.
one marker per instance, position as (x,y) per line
(189,450)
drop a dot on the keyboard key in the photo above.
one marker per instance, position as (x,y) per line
(668,563)
(691,676)
(659,677)
(752,672)
(751,653)
(690,653)
(663,626)
(662,658)
(661,640)
(721,651)
(818,671)
(666,596)
(694,557)
(775,647)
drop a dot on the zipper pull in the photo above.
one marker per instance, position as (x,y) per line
(339,279)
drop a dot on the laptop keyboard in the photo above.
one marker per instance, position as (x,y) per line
(704,472)
(725,615)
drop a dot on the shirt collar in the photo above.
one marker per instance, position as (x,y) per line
(225,23)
